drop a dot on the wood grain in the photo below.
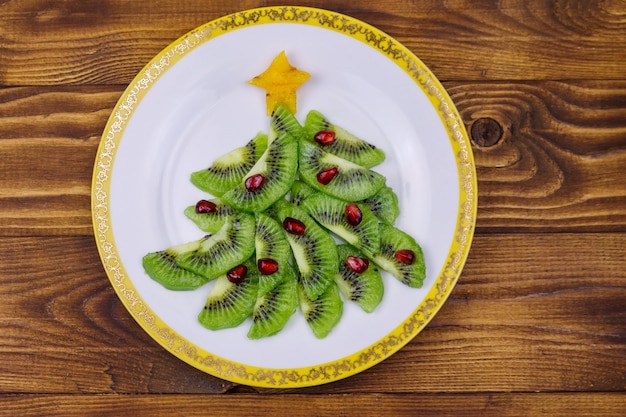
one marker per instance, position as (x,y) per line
(535,325)
(374,405)
(91,42)
(563,329)
(562,149)
(48,143)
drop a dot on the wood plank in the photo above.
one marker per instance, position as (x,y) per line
(563,327)
(557,166)
(375,405)
(48,142)
(81,370)
(562,148)
(89,42)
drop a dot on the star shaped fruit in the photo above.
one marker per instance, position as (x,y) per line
(280,81)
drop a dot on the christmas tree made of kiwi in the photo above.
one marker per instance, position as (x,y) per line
(296,220)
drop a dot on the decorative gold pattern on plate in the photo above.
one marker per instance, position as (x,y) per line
(349,365)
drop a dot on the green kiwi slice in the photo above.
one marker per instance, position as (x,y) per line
(276,170)
(230,246)
(345,145)
(331,214)
(350,182)
(314,251)
(161,266)
(300,191)
(363,287)
(229,304)
(273,309)
(271,246)
(229,169)
(323,313)
(384,204)
(283,120)
(209,215)
(393,243)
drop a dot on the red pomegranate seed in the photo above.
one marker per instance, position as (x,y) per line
(254,182)
(327,175)
(204,206)
(353,214)
(237,274)
(294,226)
(324,137)
(267,266)
(357,264)
(406,256)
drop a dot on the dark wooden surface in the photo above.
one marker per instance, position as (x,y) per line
(537,322)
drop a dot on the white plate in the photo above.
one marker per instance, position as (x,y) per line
(191,103)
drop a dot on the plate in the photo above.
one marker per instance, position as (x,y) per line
(191,104)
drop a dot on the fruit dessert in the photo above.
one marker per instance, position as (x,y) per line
(295,220)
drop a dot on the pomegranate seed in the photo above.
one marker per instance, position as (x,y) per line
(357,264)
(267,266)
(254,182)
(237,274)
(204,206)
(294,226)
(327,175)
(324,137)
(406,256)
(353,214)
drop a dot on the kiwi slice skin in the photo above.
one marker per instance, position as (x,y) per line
(229,169)
(351,183)
(393,239)
(227,248)
(346,145)
(161,267)
(366,289)
(323,313)
(229,304)
(314,252)
(210,222)
(273,309)
(384,204)
(271,242)
(330,213)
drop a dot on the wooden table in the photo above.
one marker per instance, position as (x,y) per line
(537,322)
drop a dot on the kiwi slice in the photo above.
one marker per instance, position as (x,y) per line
(229,169)
(269,179)
(343,143)
(401,256)
(229,304)
(273,309)
(300,191)
(283,120)
(273,210)
(272,252)
(314,250)
(161,266)
(348,181)
(230,246)
(384,204)
(209,215)
(332,214)
(362,283)
(323,313)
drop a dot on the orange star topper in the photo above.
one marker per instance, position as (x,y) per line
(280,81)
